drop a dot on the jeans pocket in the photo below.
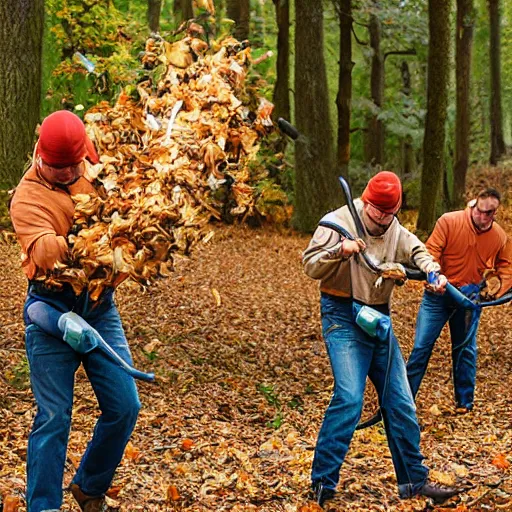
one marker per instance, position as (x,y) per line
(332,328)
(30,339)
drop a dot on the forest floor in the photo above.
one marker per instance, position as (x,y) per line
(242,383)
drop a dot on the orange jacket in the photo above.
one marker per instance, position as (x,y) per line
(42,215)
(464,253)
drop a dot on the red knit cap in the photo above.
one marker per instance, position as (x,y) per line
(384,191)
(63,141)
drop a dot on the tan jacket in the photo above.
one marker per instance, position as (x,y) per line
(351,277)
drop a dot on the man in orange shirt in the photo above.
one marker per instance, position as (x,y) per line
(42,214)
(467,244)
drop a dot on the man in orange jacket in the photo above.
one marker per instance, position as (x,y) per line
(468,244)
(42,214)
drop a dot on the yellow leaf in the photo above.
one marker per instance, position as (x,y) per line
(434,410)
(460,471)
(216,295)
(442,478)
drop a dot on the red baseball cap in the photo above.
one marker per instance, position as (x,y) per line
(384,191)
(63,140)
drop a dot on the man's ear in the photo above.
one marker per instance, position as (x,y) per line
(472,203)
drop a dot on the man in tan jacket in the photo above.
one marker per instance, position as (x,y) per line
(359,338)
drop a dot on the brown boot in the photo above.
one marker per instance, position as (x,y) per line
(88,503)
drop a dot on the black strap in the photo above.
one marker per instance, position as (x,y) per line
(341,231)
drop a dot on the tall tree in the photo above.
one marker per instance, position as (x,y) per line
(497,141)
(344,96)
(437,102)
(239,12)
(154,9)
(376,128)
(21,47)
(316,190)
(281,96)
(463,50)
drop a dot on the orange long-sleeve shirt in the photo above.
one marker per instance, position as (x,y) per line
(42,215)
(464,253)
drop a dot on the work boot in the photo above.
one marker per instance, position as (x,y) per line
(88,503)
(437,493)
(321,494)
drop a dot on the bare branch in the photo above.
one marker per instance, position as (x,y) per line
(412,51)
(362,43)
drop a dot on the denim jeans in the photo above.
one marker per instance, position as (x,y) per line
(435,311)
(353,356)
(53,364)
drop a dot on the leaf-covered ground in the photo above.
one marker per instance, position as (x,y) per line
(243,382)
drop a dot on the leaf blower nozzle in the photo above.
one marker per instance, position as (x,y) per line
(78,334)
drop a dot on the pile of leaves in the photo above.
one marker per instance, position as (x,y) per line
(181,153)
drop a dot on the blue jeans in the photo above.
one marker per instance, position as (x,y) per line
(53,364)
(435,311)
(354,355)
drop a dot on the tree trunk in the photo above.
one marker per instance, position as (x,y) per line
(497,141)
(239,12)
(408,156)
(316,187)
(344,96)
(154,9)
(375,128)
(463,50)
(21,47)
(281,96)
(437,102)
(187,9)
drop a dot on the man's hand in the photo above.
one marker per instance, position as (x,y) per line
(350,247)
(438,286)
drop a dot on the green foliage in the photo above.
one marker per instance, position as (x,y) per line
(112,33)
(109,38)
(269,392)
(19,376)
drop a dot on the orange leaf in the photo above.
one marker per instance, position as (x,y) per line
(500,461)
(114,491)
(11,504)
(131,452)
(187,444)
(172,493)
(310,507)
